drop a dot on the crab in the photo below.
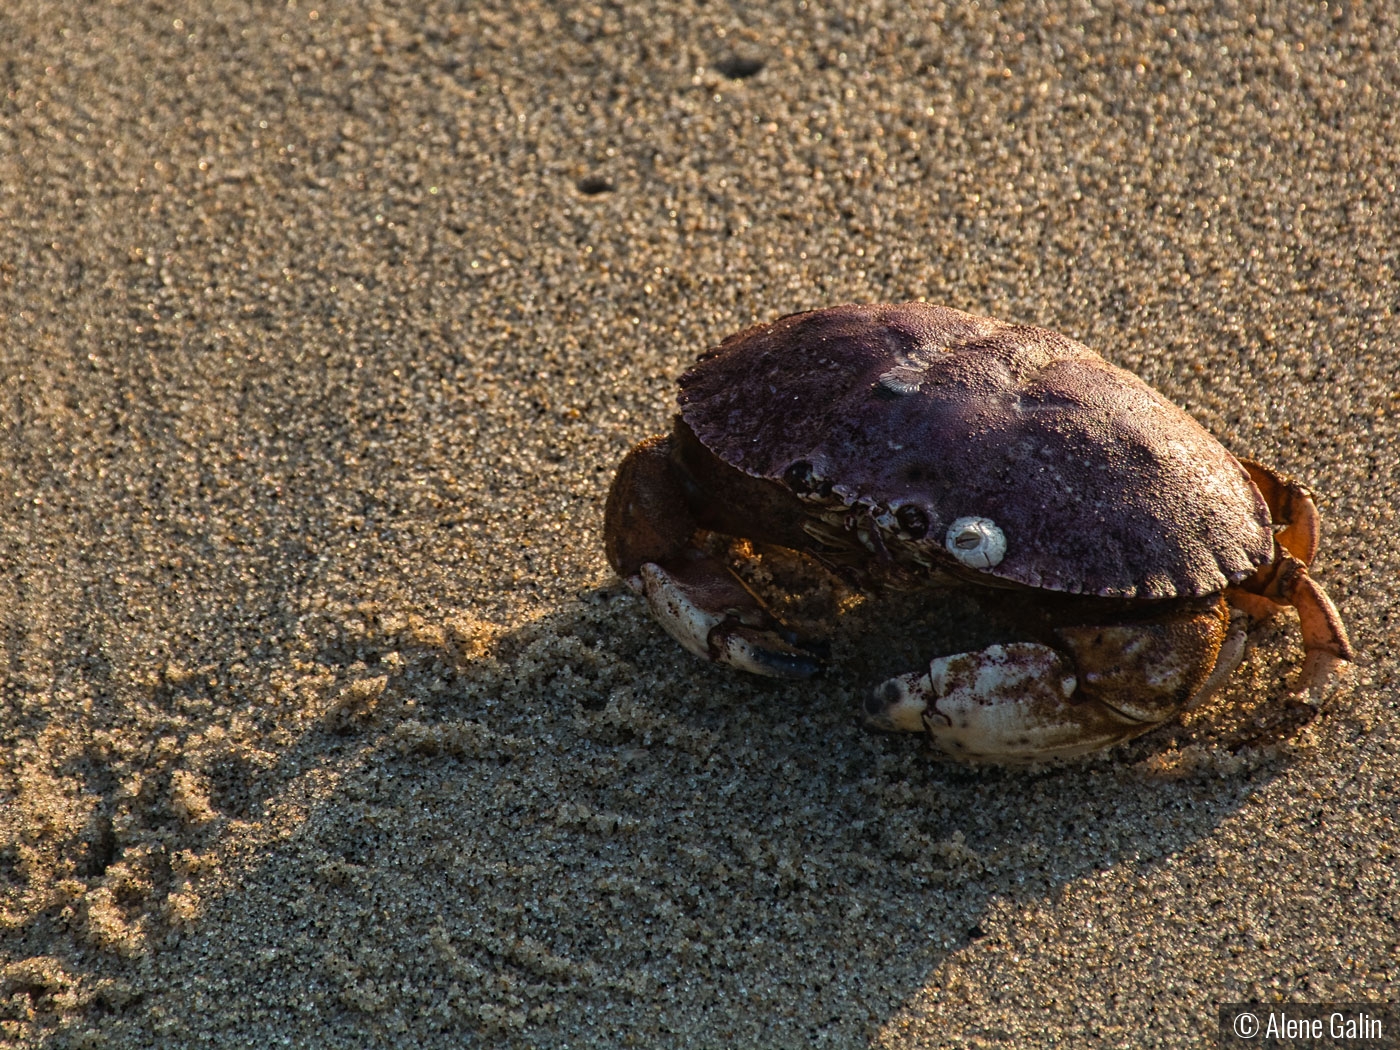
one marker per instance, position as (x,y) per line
(916,446)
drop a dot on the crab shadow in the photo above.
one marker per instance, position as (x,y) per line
(575,833)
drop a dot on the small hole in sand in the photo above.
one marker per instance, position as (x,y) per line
(736,68)
(592,185)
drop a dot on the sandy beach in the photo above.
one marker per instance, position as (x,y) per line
(323,721)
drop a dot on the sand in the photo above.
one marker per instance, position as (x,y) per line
(324,722)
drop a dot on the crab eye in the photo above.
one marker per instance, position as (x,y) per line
(802,478)
(912,520)
(976,542)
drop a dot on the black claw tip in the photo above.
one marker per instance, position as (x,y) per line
(818,647)
(884,694)
(767,652)
(791,665)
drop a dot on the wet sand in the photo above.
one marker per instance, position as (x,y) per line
(324,720)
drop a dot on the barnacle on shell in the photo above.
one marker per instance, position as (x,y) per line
(976,542)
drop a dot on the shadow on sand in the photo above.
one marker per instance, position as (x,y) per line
(576,834)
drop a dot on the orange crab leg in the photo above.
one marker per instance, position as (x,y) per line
(1290,505)
(1285,581)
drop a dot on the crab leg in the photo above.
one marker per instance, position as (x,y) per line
(1290,505)
(649,537)
(1285,581)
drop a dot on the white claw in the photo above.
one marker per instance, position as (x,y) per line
(1006,703)
(671,604)
(898,705)
(707,616)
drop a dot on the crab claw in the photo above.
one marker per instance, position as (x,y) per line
(761,652)
(1024,701)
(1006,703)
(713,615)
